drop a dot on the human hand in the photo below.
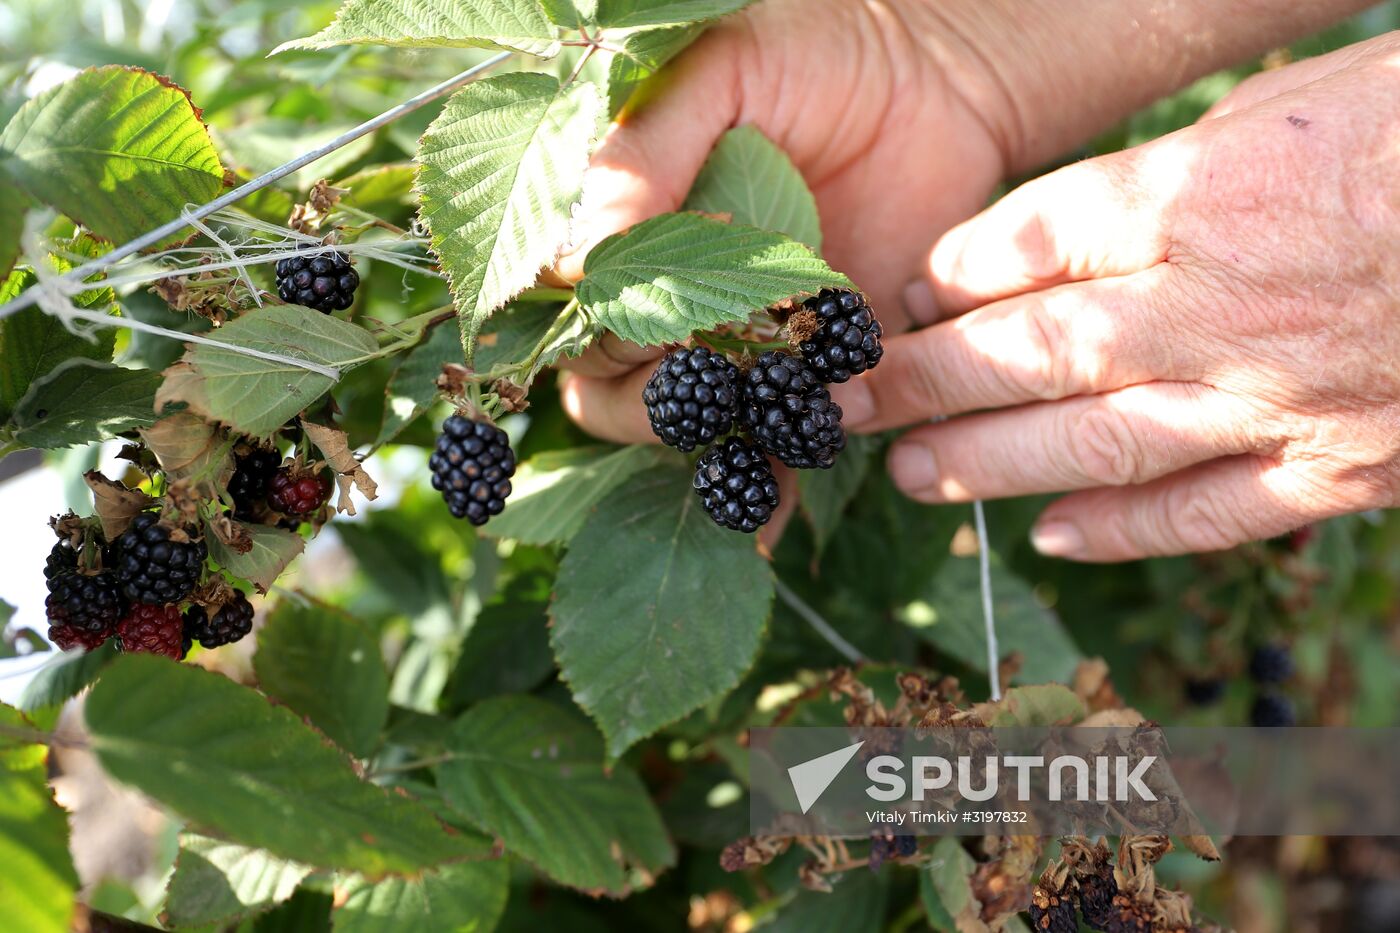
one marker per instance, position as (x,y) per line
(1201,333)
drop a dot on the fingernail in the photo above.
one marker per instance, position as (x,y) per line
(1058,539)
(913,467)
(919,303)
(857,402)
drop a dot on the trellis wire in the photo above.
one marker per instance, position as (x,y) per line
(152,238)
(814,619)
(989,621)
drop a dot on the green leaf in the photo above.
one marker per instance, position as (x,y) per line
(750,178)
(489,24)
(117,149)
(950,618)
(348,699)
(38,890)
(273,549)
(32,343)
(220,881)
(506,651)
(380,188)
(855,904)
(657,609)
(642,54)
(413,387)
(826,493)
(82,401)
(65,675)
(532,774)
(257,396)
(947,883)
(622,14)
(502,167)
(679,273)
(1039,705)
(11,223)
(553,492)
(467,897)
(230,762)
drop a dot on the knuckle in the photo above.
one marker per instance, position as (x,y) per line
(1106,449)
(924,386)
(1048,372)
(1194,521)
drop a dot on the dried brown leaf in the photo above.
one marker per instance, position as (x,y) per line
(116,505)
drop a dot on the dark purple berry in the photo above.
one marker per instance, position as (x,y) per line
(735,482)
(787,410)
(847,339)
(325,281)
(691,397)
(472,464)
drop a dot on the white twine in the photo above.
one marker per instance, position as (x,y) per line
(989,622)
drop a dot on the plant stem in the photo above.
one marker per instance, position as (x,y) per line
(413,765)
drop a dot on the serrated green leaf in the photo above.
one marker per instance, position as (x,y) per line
(553,492)
(1037,705)
(64,676)
(751,179)
(643,52)
(679,273)
(657,609)
(413,387)
(380,188)
(273,549)
(505,651)
(40,885)
(856,904)
(82,401)
(257,396)
(229,761)
(625,14)
(348,699)
(502,167)
(11,223)
(221,881)
(949,872)
(950,618)
(468,897)
(824,494)
(485,24)
(532,773)
(32,343)
(117,149)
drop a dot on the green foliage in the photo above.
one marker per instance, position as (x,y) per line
(413,387)
(220,881)
(532,773)
(502,167)
(118,149)
(504,24)
(643,52)
(756,183)
(64,676)
(270,551)
(226,759)
(465,897)
(39,885)
(82,400)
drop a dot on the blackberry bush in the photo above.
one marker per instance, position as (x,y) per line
(472,464)
(735,482)
(231,623)
(152,567)
(326,282)
(787,410)
(154,630)
(691,397)
(1271,664)
(843,338)
(251,475)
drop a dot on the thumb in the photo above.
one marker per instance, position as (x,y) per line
(650,157)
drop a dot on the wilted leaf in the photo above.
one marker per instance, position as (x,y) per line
(116,505)
(334,445)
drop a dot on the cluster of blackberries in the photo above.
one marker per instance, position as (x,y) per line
(472,464)
(325,281)
(1269,666)
(886,846)
(261,484)
(780,405)
(132,588)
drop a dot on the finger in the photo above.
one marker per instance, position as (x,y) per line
(648,161)
(1098,218)
(610,409)
(1079,339)
(610,357)
(1260,87)
(1130,436)
(1207,508)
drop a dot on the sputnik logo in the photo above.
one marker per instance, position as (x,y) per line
(811,778)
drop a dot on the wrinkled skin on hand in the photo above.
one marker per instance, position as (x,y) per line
(1201,333)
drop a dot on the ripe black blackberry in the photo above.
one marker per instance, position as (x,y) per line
(61,559)
(472,466)
(789,412)
(154,569)
(1270,664)
(248,485)
(1052,913)
(83,608)
(232,622)
(326,282)
(1204,691)
(735,482)
(153,630)
(846,339)
(1272,710)
(691,397)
